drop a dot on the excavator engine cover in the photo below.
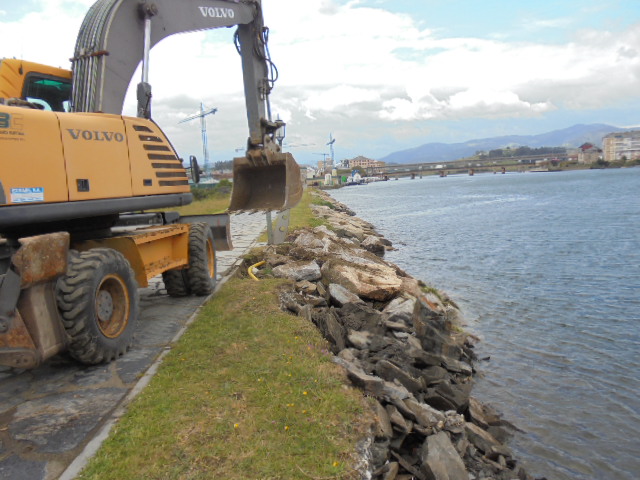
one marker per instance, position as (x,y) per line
(274,184)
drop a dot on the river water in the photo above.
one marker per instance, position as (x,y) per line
(546,269)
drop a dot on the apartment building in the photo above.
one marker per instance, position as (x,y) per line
(365,162)
(621,144)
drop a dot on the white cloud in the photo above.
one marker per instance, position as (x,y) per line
(541,24)
(356,48)
(51,32)
(339,97)
(489,103)
(328,7)
(365,72)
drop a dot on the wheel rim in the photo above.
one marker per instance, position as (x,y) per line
(211,259)
(112,306)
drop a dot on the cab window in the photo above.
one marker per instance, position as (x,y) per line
(51,92)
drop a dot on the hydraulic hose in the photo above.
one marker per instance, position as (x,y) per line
(255,265)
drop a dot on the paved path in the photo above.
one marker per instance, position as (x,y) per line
(54,417)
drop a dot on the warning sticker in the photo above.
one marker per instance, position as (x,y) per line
(27,195)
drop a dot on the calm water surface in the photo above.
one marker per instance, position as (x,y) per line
(546,268)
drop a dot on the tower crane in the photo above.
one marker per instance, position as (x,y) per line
(330,144)
(203,126)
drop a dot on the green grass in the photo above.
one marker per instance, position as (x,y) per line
(207,201)
(218,201)
(323,202)
(248,392)
(301,215)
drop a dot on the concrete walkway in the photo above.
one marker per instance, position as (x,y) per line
(53,418)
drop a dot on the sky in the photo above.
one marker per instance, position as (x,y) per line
(380,75)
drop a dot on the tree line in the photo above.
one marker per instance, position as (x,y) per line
(226,165)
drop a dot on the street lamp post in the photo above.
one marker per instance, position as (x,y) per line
(281,133)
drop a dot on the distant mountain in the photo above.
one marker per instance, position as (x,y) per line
(571,137)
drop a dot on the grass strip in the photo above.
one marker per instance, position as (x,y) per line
(248,392)
(215,202)
(302,216)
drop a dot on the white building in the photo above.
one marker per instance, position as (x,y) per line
(621,144)
(372,166)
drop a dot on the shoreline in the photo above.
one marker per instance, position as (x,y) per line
(402,344)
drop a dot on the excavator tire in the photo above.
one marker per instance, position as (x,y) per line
(99,304)
(202,260)
(176,283)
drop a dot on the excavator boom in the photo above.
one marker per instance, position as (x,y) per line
(111,42)
(104,63)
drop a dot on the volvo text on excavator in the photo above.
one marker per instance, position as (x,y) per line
(82,187)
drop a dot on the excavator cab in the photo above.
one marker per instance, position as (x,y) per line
(52,93)
(42,86)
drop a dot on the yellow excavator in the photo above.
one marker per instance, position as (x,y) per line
(82,187)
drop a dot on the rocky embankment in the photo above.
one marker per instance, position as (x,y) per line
(401,343)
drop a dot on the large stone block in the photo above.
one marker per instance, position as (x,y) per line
(424,414)
(308,240)
(350,231)
(396,419)
(322,230)
(383,422)
(480,438)
(370,384)
(435,340)
(340,296)
(400,310)
(374,245)
(372,281)
(434,375)
(360,340)
(440,460)
(391,372)
(449,397)
(298,271)
(359,316)
(335,333)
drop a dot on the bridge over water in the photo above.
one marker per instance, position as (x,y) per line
(459,166)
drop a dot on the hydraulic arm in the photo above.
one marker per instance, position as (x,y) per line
(104,63)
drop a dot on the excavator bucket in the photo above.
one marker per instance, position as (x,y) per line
(273,184)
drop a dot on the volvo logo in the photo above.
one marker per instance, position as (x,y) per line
(215,12)
(95,135)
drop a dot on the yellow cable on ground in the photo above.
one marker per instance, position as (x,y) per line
(255,265)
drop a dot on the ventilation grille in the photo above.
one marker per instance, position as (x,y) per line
(166,166)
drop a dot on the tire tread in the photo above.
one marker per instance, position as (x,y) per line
(75,297)
(200,283)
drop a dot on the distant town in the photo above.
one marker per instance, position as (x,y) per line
(619,149)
